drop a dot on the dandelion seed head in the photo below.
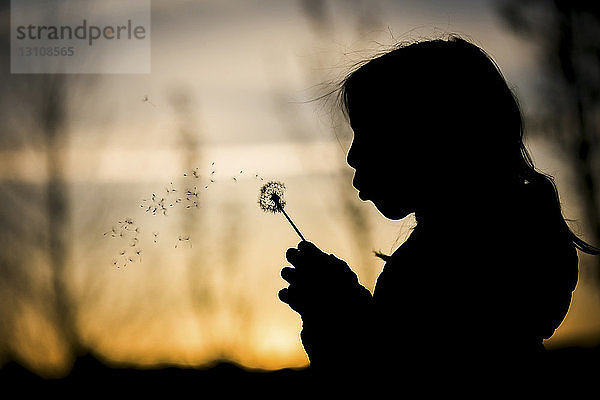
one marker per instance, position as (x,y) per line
(271,197)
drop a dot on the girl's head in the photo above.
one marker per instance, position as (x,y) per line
(431,117)
(436,126)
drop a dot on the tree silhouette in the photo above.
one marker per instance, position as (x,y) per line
(34,117)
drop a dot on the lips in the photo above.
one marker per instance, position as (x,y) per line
(355,181)
(361,193)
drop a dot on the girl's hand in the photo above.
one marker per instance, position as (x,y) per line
(334,307)
(319,282)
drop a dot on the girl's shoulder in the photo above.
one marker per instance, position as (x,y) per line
(407,250)
(403,260)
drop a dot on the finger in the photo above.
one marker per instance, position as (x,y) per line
(310,251)
(289,274)
(300,258)
(292,255)
(291,297)
(287,296)
(305,246)
(336,262)
(284,295)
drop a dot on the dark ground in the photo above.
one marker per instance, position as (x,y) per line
(91,377)
(89,374)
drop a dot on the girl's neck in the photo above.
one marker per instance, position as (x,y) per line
(472,212)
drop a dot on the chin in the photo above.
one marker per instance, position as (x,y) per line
(393,212)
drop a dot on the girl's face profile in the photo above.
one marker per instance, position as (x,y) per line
(382,165)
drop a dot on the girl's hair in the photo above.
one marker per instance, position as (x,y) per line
(459,78)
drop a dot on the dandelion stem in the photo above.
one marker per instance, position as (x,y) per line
(289,220)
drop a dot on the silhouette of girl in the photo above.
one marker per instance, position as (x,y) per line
(487,273)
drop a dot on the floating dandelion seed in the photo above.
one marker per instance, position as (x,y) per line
(155,205)
(183,240)
(235,179)
(146,100)
(113,232)
(271,200)
(170,189)
(125,229)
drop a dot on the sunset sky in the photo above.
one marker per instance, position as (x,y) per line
(229,93)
